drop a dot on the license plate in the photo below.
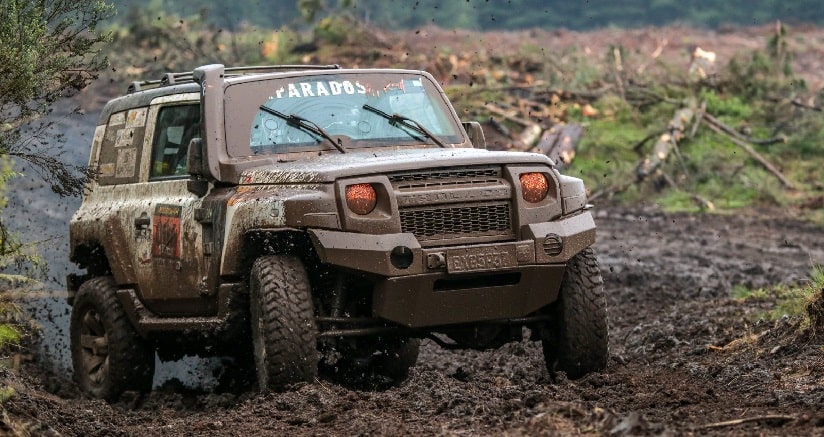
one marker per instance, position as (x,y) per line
(480,259)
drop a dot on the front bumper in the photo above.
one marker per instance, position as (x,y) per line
(461,284)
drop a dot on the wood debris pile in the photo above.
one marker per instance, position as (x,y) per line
(527,114)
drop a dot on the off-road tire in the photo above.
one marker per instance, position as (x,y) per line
(395,361)
(283,322)
(374,363)
(576,340)
(108,355)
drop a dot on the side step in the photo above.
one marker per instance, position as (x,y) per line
(147,321)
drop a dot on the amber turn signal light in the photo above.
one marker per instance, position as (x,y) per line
(361,198)
(534,187)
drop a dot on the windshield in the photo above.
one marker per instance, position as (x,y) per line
(337,104)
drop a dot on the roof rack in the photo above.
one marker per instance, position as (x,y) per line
(187,77)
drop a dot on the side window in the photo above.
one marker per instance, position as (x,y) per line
(175,127)
(121,146)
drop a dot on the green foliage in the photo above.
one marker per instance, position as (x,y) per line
(6,393)
(753,96)
(47,53)
(310,8)
(8,336)
(605,156)
(334,30)
(741,292)
(15,256)
(791,301)
(765,73)
(15,324)
(723,106)
(19,264)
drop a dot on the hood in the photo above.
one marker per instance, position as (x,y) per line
(328,167)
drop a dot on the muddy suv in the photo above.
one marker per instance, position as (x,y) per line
(313,219)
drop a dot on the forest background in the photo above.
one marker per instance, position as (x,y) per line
(495,14)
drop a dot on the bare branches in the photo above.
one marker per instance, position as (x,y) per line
(734,133)
(48,51)
(757,156)
(770,418)
(800,104)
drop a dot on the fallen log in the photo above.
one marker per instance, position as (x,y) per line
(528,137)
(559,143)
(500,127)
(509,115)
(666,142)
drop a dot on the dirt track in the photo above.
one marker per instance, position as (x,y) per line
(668,279)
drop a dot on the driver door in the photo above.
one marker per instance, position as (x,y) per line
(169,263)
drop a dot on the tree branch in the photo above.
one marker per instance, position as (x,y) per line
(757,156)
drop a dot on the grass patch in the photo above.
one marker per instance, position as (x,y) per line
(6,393)
(793,302)
(9,336)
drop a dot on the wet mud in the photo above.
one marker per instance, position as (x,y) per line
(685,357)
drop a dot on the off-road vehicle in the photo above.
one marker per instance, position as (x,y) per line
(310,219)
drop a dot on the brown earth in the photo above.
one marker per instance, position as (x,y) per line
(685,357)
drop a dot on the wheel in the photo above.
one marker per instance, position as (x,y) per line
(393,361)
(576,341)
(108,355)
(374,362)
(283,322)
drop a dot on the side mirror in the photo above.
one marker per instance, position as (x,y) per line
(197,185)
(476,134)
(194,157)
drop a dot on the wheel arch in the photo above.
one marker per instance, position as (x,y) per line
(89,256)
(263,242)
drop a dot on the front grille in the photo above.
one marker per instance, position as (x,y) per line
(445,173)
(477,220)
(445,176)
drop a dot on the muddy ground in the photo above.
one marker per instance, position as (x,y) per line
(685,357)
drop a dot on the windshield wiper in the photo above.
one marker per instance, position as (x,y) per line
(395,119)
(305,124)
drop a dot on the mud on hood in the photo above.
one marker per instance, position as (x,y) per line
(327,168)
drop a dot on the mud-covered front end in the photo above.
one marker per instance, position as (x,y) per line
(474,236)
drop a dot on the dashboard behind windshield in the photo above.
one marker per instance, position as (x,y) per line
(335,103)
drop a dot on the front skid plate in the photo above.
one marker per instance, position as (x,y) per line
(441,299)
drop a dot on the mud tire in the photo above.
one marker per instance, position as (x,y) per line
(395,361)
(98,321)
(284,334)
(576,341)
(375,363)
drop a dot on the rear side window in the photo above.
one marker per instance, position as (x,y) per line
(120,149)
(174,129)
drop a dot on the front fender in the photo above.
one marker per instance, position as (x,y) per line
(264,207)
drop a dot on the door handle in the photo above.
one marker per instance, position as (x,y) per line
(143,221)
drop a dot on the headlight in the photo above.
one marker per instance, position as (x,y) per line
(361,198)
(534,187)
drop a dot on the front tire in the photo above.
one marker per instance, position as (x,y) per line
(108,355)
(283,322)
(577,339)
